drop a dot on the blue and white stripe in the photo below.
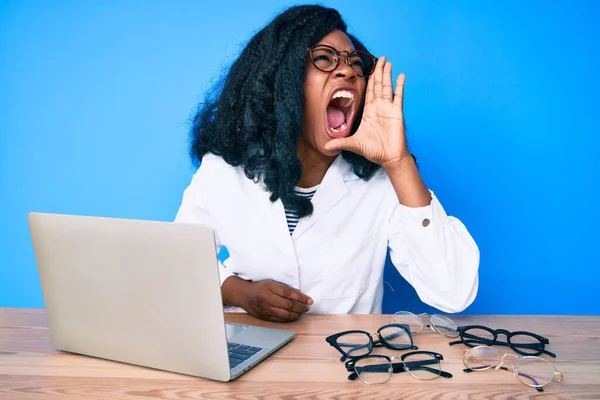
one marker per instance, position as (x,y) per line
(292,218)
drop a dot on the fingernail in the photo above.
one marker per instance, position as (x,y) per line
(309,301)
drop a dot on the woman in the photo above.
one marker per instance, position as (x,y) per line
(307,180)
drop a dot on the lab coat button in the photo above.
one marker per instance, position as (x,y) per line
(426,222)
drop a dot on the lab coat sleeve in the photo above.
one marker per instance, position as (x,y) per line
(193,209)
(435,253)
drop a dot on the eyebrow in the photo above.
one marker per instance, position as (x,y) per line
(330,45)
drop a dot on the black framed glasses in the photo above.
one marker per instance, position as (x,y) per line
(522,342)
(326,58)
(422,365)
(356,343)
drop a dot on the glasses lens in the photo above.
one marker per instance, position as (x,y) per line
(534,371)
(410,319)
(422,366)
(444,325)
(396,336)
(482,358)
(355,344)
(526,344)
(476,337)
(373,369)
(362,63)
(324,58)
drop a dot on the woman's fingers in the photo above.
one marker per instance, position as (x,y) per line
(399,97)
(348,143)
(370,96)
(378,75)
(387,82)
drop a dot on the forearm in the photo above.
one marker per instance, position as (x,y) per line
(232,291)
(408,184)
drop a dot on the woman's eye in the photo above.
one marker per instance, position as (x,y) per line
(357,62)
(323,58)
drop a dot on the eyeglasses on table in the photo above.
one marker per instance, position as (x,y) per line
(436,322)
(531,370)
(422,365)
(522,342)
(357,343)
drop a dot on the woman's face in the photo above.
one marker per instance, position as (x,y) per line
(331,98)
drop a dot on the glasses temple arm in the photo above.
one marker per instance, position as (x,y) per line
(352,376)
(398,368)
(401,366)
(538,388)
(397,334)
(551,354)
(375,368)
(533,346)
(353,348)
(531,378)
(422,366)
(445,374)
(442,326)
(436,371)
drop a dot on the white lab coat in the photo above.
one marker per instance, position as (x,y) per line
(337,255)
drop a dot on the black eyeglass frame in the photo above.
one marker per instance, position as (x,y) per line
(400,367)
(472,341)
(381,342)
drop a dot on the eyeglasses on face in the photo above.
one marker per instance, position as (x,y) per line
(422,365)
(531,370)
(522,342)
(436,322)
(326,58)
(356,343)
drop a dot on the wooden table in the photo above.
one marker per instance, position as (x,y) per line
(306,368)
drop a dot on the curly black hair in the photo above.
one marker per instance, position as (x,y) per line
(253,116)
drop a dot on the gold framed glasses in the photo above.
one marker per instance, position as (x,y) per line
(436,322)
(531,370)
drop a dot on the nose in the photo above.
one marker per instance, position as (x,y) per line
(343,69)
(347,73)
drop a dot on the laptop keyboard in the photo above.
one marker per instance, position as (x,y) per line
(238,353)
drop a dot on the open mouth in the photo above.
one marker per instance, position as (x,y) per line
(339,113)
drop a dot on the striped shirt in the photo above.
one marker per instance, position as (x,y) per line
(292,218)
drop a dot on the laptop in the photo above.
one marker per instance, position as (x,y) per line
(142,292)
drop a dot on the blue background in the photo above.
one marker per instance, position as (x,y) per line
(501,102)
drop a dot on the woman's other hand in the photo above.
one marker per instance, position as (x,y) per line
(267,299)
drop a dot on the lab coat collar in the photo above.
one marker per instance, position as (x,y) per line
(345,168)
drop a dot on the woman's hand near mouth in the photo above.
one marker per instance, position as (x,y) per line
(381,138)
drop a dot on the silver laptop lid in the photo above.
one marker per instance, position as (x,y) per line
(140,292)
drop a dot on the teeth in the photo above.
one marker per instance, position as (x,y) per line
(340,129)
(345,94)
